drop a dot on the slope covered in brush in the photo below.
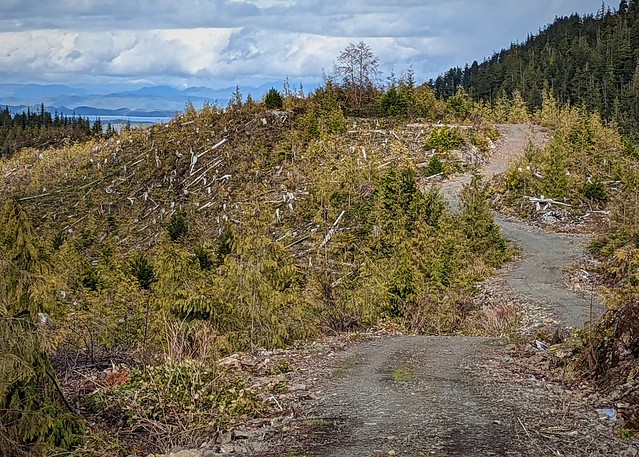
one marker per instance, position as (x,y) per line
(237,229)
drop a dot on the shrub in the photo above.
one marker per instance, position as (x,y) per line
(35,417)
(480,142)
(435,166)
(444,139)
(492,133)
(204,258)
(177,227)
(142,270)
(595,191)
(336,122)
(273,99)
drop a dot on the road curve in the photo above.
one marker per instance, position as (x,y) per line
(540,274)
(437,396)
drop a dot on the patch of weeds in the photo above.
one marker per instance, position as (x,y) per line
(627,433)
(344,368)
(281,367)
(112,224)
(170,398)
(402,374)
(435,166)
(280,388)
(320,422)
(492,133)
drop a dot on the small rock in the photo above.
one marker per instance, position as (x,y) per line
(391,452)
(298,387)
(240,434)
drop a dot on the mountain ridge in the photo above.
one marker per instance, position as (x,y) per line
(141,101)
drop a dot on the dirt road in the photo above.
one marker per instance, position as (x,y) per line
(447,396)
(540,276)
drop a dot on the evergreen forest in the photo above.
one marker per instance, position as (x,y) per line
(41,129)
(589,61)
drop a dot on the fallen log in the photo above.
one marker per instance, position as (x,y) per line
(333,230)
(542,203)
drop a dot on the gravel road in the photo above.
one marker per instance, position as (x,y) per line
(447,396)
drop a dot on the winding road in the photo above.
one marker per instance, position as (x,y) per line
(436,396)
(539,276)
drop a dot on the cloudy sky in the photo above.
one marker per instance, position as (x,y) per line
(220,42)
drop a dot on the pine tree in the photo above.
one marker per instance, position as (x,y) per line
(236,100)
(273,99)
(34,415)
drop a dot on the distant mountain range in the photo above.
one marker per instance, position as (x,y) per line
(155,101)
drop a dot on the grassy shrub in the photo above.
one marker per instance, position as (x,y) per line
(444,139)
(171,398)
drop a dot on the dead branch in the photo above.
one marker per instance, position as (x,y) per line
(542,203)
(433,176)
(333,229)
(298,241)
(32,197)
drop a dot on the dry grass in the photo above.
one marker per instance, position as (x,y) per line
(495,320)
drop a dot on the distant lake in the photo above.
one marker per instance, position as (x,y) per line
(133,120)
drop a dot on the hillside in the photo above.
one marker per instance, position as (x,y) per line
(588,61)
(171,287)
(223,231)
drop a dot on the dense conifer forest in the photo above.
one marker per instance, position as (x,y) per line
(42,129)
(589,61)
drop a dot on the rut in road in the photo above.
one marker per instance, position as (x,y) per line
(432,395)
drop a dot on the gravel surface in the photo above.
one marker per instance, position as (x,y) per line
(448,396)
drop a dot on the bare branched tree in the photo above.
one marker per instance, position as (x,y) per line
(358,69)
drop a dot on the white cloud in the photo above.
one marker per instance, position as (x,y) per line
(197,41)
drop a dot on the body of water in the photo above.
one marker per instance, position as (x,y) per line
(133,120)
